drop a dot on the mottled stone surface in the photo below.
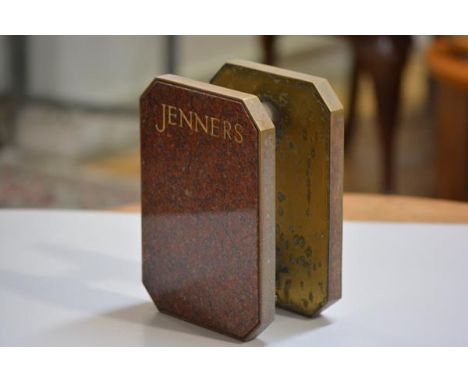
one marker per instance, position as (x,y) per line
(205,205)
(309,179)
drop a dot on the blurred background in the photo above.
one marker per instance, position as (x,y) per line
(69,130)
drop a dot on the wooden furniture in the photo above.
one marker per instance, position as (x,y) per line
(389,208)
(409,209)
(383,59)
(448,61)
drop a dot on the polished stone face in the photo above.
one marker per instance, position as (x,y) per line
(202,208)
(309,176)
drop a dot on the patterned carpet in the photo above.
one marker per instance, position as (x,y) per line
(27,188)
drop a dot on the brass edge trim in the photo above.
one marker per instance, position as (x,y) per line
(336,206)
(251,101)
(267,211)
(203,86)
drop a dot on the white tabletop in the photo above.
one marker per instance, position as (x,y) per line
(73,278)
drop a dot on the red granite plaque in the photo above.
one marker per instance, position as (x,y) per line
(208,177)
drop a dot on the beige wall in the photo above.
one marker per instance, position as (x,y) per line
(202,56)
(100,70)
(108,71)
(114,70)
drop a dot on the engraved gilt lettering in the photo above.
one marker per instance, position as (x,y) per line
(215,127)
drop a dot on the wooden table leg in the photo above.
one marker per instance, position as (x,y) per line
(452,142)
(383,58)
(269,49)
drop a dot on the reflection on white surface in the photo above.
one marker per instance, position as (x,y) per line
(74,278)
